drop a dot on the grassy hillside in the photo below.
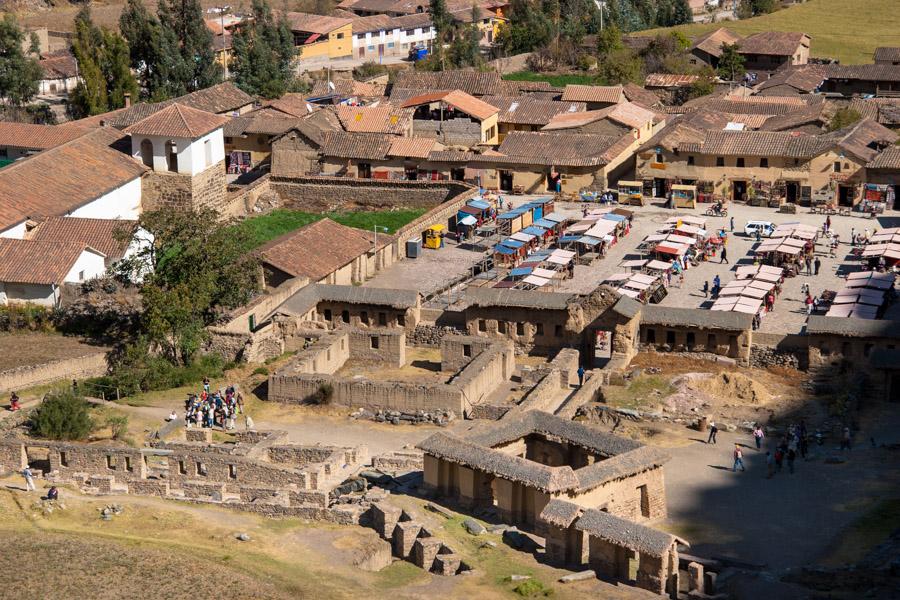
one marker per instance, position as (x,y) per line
(848,30)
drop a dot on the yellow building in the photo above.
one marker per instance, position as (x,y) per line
(317,36)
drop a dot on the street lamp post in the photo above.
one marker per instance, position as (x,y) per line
(222,11)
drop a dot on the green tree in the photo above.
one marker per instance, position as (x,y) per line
(263,53)
(621,66)
(443,23)
(103,63)
(197,69)
(62,415)
(843,117)
(609,40)
(465,50)
(682,13)
(198,267)
(704,86)
(19,74)
(731,64)
(528,28)
(153,51)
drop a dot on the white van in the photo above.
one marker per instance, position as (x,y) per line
(765,228)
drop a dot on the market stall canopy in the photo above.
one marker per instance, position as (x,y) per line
(468,220)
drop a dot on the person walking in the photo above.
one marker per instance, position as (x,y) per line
(779,458)
(845,439)
(732,224)
(29,479)
(758,436)
(706,289)
(791,456)
(713,430)
(738,459)
(580,376)
(724,256)
(818,264)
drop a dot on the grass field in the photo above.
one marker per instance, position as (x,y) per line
(848,30)
(278,222)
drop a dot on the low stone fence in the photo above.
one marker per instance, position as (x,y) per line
(89,365)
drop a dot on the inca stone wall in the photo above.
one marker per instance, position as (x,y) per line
(324,194)
(172,190)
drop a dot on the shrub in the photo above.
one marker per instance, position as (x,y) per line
(260,371)
(26,317)
(532,588)
(323,394)
(62,416)
(118,425)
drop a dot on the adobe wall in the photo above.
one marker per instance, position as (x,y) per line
(529,328)
(622,497)
(486,371)
(366,315)
(458,350)
(327,354)
(383,345)
(89,365)
(733,344)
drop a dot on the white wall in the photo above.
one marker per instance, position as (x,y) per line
(89,265)
(402,42)
(192,158)
(45,295)
(16,232)
(124,202)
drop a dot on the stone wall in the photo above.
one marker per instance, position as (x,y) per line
(172,190)
(733,344)
(90,365)
(451,132)
(328,194)
(458,350)
(382,345)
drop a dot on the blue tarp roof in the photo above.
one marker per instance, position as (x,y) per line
(521,271)
(503,250)
(612,217)
(588,240)
(542,201)
(509,215)
(512,243)
(534,230)
(479,204)
(545,223)
(569,238)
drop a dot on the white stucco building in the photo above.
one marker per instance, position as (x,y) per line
(34,271)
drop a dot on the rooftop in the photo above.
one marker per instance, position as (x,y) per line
(179,121)
(471,82)
(711,42)
(374,119)
(108,236)
(773,43)
(458,100)
(37,137)
(593,93)
(37,262)
(306,22)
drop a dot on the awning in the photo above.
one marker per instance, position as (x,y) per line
(658,265)
(545,223)
(536,281)
(468,220)
(520,271)
(633,264)
(534,230)
(480,204)
(504,250)
(614,217)
(588,240)
(521,236)
(555,218)
(546,273)
(511,243)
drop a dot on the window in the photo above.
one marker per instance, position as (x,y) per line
(327,314)
(670,338)
(80,275)
(660,158)
(867,349)
(182,468)
(796,162)
(837,167)
(340,36)
(110,461)
(520,328)
(558,331)
(360,36)
(410,32)
(382,319)
(232,471)
(720,161)
(374,342)
(645,501)
(482,325)
(128,466)
(364,318)
(539,329)
(764,163)
(4,153)
(501,326)
(63,459)
(201,469)
(390,44)
(650,336)
(711,341)
(467,349)
(364,170)
(207,152)
(345,316)
(740,161)
(401,320)
(690,159)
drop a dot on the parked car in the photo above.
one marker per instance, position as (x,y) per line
(765,228)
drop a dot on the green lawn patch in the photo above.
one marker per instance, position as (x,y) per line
(264,228)
(554,80)
(644,390)
(847,30)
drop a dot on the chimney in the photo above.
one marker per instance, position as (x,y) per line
(127,100)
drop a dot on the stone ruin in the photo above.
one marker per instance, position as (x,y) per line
(412,541)
(259,472)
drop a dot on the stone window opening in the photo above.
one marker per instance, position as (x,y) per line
(645,501)
(845,348)
(201,469)
(128,466)
(764,163)
(110,461)
(520,328)
(63,459)
(401,320)
(364,318)
(345,316)
(482,325)
(382,319)
(232,471)
(467,350)
(690,160)
(690,340)
(147,153)
(651,336)
(539,329)
(374,342)
(182,468)
(501,326)
(327,314)
(720,161)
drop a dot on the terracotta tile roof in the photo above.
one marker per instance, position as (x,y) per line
(178,121)
(757,143)
(259,124)
(470,82)
(863,139)
(889,158)
(666,80)
(59,180)
(863,72)
(773,43)
(710,119)
(452,156)
(59,66)
(887,54)
(37,137)
(99,234)
(593,93)
(711,42)
(311,23)
(411,147)
(759,105)
(362,146)
(626,113)
(525,110)
(375,119)
(347,88)
(815,114)
(675,136)
(371,24)
(883,110)
(803,78)
(318,249)
(638,95)
(41,263)
(528,147)
(458,100)
(292,104)
(516,88)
